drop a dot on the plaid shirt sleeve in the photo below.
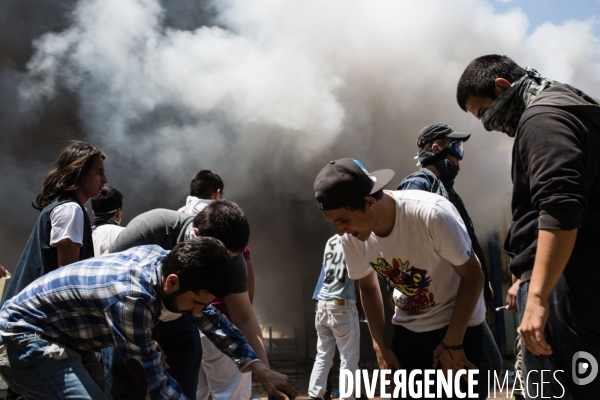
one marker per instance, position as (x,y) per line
(132,323)
(225,336)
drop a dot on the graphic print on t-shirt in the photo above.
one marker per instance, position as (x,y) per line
(334,263)
(412,282)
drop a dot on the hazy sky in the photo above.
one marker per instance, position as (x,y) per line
(265,93)
(557,12)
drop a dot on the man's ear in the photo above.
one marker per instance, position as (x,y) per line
(196,232)
(171,284)
(435,148)
(217,195)
(370,201)
(500,85)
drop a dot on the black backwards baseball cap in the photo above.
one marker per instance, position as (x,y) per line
(439,131)
(343,181)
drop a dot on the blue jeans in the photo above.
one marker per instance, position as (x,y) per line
(44,369)
(572,327)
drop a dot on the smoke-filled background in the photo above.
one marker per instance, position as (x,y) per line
(265,93)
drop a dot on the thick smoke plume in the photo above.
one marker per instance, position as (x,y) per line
(265,93)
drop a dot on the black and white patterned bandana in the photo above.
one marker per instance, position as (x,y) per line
(102,221)
(505,112)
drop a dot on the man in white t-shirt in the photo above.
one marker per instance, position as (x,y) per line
(418,243)
(108,211)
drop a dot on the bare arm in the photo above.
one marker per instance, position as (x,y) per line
(373,305)
(68,252)
(469,290)
(241,314)
(553,252)
(511,296)
(250,280)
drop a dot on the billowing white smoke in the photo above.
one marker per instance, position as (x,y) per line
(274,89)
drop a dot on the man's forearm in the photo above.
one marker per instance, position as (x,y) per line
(467,296)
(373,307)
(241,314)
(554,249)
(469,291)
(251,330)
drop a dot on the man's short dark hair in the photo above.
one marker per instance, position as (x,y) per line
(107,202)
(479,77)
(205,183)
(202,264)
(224,220)
(360,204)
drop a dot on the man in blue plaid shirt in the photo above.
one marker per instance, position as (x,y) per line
(115,300)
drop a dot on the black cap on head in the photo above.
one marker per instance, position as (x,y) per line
(435,132)
(346,179)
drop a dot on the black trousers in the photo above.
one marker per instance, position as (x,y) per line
(415,350)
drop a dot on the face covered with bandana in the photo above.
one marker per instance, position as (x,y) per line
(445,157)
(504,112)
(441,149)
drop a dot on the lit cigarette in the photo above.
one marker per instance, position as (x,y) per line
(501,308)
